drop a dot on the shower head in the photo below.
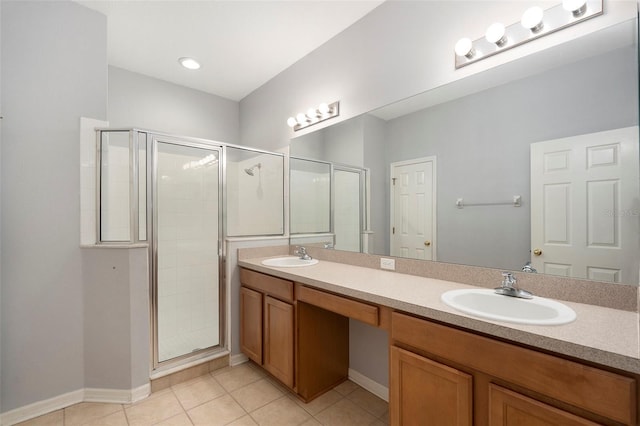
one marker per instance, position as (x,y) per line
(250,170)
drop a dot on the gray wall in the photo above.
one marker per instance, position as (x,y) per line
(136,100)
(375,160)
(54,70)
(116,326)
(482,147)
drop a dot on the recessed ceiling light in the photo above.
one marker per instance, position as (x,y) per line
(189,63)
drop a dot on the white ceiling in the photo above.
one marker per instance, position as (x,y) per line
(240,44)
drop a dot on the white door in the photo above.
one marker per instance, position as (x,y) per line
(584,206)
(413,208)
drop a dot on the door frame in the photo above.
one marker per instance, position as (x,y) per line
(392,166)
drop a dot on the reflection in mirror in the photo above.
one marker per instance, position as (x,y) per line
(327,203)
(534,129)
(309,194)
(255,192)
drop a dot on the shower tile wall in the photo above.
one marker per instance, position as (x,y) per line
(115,210)
(255,203)
(310,208)
(347,210)
(188,296)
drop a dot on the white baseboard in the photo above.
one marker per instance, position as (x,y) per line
(237,359)
(113,396)
(40,408)
(117,396)
(370,385)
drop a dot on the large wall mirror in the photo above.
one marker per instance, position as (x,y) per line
(531,165)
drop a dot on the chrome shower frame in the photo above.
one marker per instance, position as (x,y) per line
(151,138)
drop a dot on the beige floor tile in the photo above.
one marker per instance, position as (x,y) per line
(371,403)
(219,411)
(281,412)
(378,423)
(311,422)
(180,420)
(55,418)
(156,408)
(345,412)
(116,419)
(86,412)
(239,376)
(322,402)
(346,387)
(243,421)
(198,391)
(256,395)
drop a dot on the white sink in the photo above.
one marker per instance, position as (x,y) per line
(288,262)
(487,304)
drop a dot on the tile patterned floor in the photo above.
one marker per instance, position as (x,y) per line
(241,395)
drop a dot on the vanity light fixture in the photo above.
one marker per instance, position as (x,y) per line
(535,23)
(314,116)
(189,63)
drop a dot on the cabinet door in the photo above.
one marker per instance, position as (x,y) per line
(251,324)
(424,392)
(278,339)
(511,408)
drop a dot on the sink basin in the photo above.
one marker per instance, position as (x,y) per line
(486,304)
(288,262)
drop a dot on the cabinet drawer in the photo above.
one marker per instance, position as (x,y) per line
(601,392)
(279,288)
(510,408)
(338,304)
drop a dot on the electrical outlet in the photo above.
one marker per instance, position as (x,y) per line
(388,263)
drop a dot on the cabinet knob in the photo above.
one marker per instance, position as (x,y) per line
(427,243)
(537,252)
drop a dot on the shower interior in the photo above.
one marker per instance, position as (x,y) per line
(183,197)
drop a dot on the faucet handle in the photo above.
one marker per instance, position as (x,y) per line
(509,279)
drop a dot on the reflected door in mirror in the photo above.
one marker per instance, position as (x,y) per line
(413,217)
(584,206)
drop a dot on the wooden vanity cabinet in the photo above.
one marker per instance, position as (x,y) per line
(427,392)
(437,370)
(304,346)
(267,323)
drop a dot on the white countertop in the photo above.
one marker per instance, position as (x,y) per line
(609,337)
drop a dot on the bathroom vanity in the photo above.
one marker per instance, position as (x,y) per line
(445,367)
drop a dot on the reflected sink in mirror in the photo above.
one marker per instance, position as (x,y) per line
(485,303)
(288,262)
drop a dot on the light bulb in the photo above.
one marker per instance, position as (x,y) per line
(312,114)
(464,47)
(532,19)
(189,63)
(495,34)
(577,7)
(323,108)
(301,118)
(291,122)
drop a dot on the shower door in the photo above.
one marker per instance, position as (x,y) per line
(186,255)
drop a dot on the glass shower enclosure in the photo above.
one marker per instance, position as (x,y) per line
(166,192)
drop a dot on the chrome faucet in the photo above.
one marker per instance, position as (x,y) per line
(508,287)
(528,268)
(302,253)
